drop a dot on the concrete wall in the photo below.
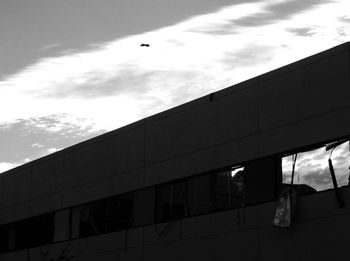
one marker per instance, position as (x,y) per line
(297,105)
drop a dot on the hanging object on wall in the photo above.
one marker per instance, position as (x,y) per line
(286,208)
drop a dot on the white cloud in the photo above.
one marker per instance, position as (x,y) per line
(37,145)
(28,139)
(50,46)
(119,82)
(4,166)
(312,167)
(52,150)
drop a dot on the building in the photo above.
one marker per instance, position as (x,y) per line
(169,187)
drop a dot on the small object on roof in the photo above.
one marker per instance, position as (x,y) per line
(144,45)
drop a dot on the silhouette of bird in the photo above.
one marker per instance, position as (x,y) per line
(144,45)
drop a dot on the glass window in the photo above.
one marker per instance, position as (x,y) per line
(171,201)
(198,195)
(75,226)
(35,231)
(62,225)
(89,220)
(21,234)
(5,239)
(12,237)
(228,189)
(144,206)
(117,212)
(263,178)
(312,172)
(104,216)
(40,230)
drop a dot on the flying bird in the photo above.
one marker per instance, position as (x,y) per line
(144,45)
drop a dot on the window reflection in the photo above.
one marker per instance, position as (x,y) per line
(198,195)
(62,226)
(144,206)
(104,216)
(33,232)
(312,171)
(171,201)
(6,243)
(228,189)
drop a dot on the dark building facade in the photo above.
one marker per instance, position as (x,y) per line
(196,182)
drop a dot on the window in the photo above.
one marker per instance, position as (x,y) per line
(312,172)
(40,230)
(6,238)
(198,195)
(62,225)
(144,206)
(103,216)
(117,212)
(12,237)
(171,201)
(89,220)
(34,231)
(263,178)
(228,189)
(252,183)
(75,220)
(21,234)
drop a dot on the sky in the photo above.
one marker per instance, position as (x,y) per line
(71,70)
(312,169)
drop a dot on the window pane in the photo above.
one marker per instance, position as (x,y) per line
(144,206)
(105,216)
(117,212)
(171,201)
(312,170)
(12,238)
(198,195)
(62,226)
(263,178)
(89,218)
(5,245)
(228,189)
(75,222)
(33,232)
(21,230)
(41,230)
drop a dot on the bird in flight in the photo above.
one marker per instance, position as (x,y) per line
(144,45)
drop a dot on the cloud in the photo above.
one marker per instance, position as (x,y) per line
(275,11)
(345,19)
(121,67)
(28,139)
(52,150)
(50,47)
(312,167)
(37,145)
(302,31)
(78,93)
(253,54)
(319,179)
(4,166)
